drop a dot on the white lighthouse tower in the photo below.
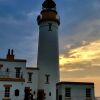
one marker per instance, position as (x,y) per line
(48,52)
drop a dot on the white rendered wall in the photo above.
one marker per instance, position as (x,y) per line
(78,92)
(12,74)
(34,84)
(48,59)
(11,65)
(15,85)
(18,85)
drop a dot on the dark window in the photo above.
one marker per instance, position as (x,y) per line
(18,72)
(47,78)
(41,95)
(16,92)
(50,25)
(88,92)
(60,97)
(49,93)
(68,92)
(7,91)
(27,93)
(1,65)
(7,70)
(34,93)
(56,94)
(30,77)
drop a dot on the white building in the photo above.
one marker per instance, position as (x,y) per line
(48,52)
(97,98)
(16,80)
(75,91)
(15,77)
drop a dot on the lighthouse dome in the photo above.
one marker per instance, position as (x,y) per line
(48,13)
(49,4)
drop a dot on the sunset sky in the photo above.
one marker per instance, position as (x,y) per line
(79,36)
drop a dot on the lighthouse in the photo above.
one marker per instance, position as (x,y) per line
(48,51)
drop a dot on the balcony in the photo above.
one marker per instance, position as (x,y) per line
(11,76)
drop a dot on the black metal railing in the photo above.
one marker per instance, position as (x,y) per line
(10,75)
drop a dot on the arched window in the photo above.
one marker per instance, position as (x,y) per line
(49,93)
(7,70)
(16,92)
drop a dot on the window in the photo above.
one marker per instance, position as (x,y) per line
(34,92)
(56,94)
(7,90)
(27,92)
(18,72)
(68,92)
(30,77)
(49,93)
(7,70)
(88,92)
(1,65)
(50,25)
(60,97)
(47,78)
(16,92)
(41,95)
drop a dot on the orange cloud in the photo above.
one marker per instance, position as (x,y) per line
(83,53)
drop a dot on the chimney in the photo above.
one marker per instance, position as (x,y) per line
(12,52)
(10,55)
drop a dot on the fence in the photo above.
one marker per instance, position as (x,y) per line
(4,74)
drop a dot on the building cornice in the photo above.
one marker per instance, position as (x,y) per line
(15,60)
(75,83)
(32,68)
(12,79)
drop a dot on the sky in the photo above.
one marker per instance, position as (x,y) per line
(79,36)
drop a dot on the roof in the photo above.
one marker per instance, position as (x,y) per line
(15,60)
(49,4)
(32,68)
(75,83)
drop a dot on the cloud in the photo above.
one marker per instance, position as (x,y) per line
(82,54)
(82,61)
(19,29)
(81,23)
(79,34)
(18,20)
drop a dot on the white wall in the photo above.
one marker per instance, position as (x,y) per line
(48,58)
(12,74)
(34,84)
(78,92)
(15,84)
(12,65)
